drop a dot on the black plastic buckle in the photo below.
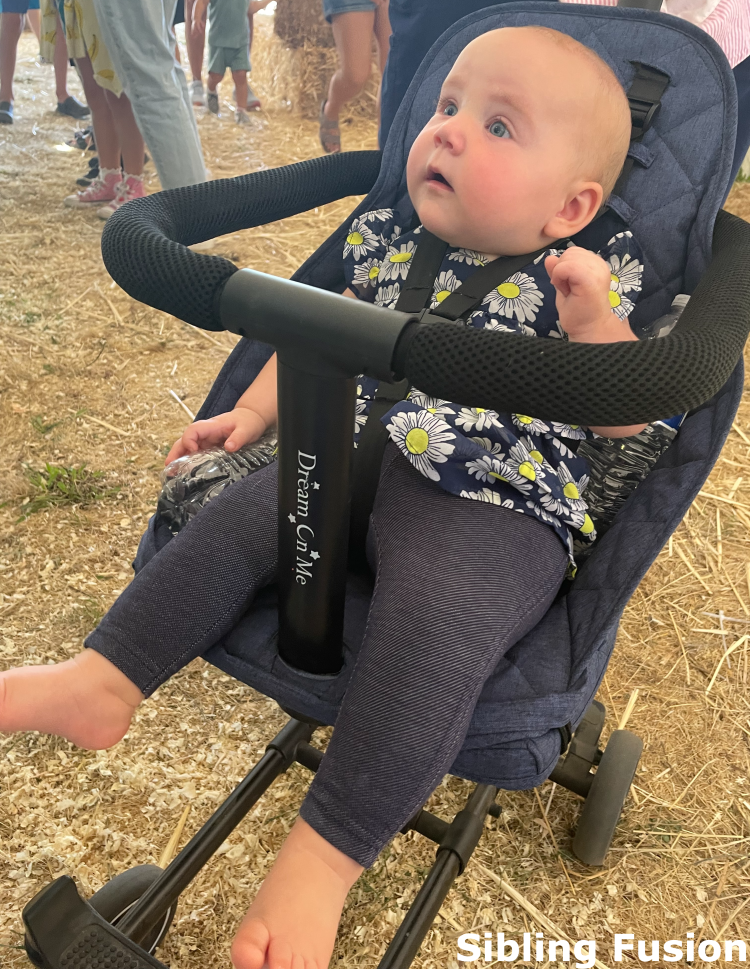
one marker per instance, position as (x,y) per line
(642,114)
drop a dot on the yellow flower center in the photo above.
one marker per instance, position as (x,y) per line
(374,270)
(509,290)
(442,295)
(355,239)
(615,279)
(527,470)
(432,410)
(537,456)
(400,257)
(523,419)
(417,440)
(587,527)
(614,298)
(570,491)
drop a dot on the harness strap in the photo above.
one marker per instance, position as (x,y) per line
(644,98)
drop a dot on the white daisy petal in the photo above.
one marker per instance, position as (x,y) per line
(445,284)
(397,261)
(360,240)
(477,419)
(517,297)
(423,438)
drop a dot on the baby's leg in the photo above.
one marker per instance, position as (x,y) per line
(458,582)
(176,608)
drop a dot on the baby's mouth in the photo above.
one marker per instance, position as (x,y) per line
(436,178)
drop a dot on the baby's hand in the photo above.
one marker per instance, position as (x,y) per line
(230,431)
(582,281)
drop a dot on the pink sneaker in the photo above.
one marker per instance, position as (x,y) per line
(102,189)
(131,187)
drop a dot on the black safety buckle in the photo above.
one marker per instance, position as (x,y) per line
(642,114)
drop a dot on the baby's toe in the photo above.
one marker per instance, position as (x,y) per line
(250,945)
(280,955)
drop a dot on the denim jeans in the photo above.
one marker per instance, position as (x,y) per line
(139,38)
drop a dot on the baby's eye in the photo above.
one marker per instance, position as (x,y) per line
(498,129)
(450,110)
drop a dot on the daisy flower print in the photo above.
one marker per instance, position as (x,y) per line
(397,261)
(423,438)
(361,240)
(366,273)
(519,297)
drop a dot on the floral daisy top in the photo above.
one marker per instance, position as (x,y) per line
(513,460)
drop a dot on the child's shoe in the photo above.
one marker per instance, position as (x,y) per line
(241,117)
(253,101)
(131,187)
(212,102)
(102,189)
(197,94)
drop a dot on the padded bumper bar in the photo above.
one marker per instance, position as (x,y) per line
(626,383)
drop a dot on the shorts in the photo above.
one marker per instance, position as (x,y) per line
(18,6)
(179,13)
(221,58)
(332,8)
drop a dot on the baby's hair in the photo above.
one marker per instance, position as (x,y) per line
(609,130)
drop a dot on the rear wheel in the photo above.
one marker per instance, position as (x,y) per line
(120,894)
(604,802)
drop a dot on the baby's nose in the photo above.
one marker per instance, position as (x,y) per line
(450,135)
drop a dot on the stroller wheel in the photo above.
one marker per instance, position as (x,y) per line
(604,802)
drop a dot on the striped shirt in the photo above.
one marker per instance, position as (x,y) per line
(727,21)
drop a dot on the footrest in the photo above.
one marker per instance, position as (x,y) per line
(64,932)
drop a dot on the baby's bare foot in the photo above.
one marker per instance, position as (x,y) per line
(87,700)
(292,922)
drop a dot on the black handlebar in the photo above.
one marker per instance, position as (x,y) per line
(144,249)
(611,384)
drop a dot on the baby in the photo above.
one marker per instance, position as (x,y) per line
(527,140)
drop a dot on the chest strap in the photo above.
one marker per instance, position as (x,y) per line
(416,294)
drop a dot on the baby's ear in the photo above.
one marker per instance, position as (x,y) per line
(578,211)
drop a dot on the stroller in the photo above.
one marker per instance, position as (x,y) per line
(535,717)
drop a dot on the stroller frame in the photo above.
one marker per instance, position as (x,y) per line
(63,931)
(122,925)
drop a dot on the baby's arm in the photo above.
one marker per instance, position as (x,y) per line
(253,414)
(582,280)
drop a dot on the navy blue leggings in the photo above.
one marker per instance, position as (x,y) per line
(458,582)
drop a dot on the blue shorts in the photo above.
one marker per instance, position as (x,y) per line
(331,8)
(18,6)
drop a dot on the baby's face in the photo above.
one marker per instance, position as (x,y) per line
(499,158)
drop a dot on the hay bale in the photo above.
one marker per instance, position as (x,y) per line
(300,23)
(295,78)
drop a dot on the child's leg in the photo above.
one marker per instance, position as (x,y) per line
(240,89)
(214,80)
(129,134)
(458,582)
(177,607)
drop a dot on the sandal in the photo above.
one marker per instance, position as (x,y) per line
(330,137)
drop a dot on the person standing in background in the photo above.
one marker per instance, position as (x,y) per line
(228,46)
(140,40)
(354,24)
(195,43)
(11,25)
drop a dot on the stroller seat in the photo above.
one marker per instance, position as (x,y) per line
(542,689)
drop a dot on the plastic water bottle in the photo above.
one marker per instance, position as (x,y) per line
(193,480)
(665,324)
